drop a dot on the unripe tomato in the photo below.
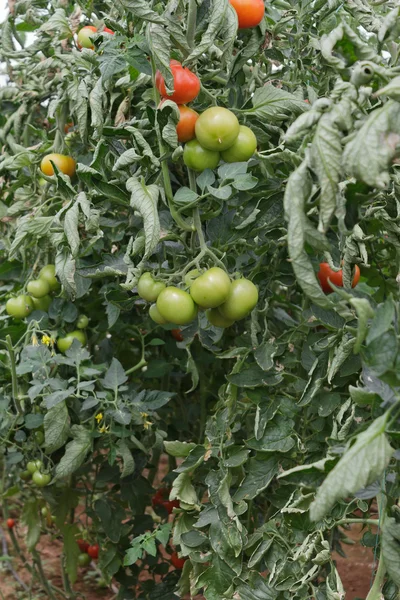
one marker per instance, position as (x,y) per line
(217,129)
(25,475)
(33,466)
(44,511)
(336,277)
(83,322)
(156,316)
(41,479)
(242,298)
(216,319)
(83,560)
(64,343)
(211,289)
(38,288)
(48,273)
(186,84)
(176,306)
(243,148)
(83,545)
(177,335)
(19,307)
(187,122)
(93,551)
(198,158)
(42,303)
(39,437)
(85,37)
(176,561)
(10,523)
(191,276)
(148,288)
(250,12)
(64,163)
(107,30)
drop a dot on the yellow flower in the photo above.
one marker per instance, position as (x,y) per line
(147,424)
(35,341)
(99,417)
(104,429)
(144,415)
(46,339)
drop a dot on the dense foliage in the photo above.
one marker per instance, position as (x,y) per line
(282,428)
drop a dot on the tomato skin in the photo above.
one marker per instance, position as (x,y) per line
(107,30)
(38,288)
(19,307)
(250,12)
(33,466)
(186,84)
(10,523)
(176,306)
(177,335)
(64,163)
(187,123)
(211,289)
(336,277)
(243,148)
(48,273)
(93,551)
(155,315)
(216,319)
(83,546)
(84,37)
(243,297)
(42,303)
(148,288)
(83,322)
(198,158)
(217,129)
(176,561)
(64,343)
(83,560)
(41,479)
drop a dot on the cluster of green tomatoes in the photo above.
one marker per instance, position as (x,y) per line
(39,299)
(34,471)
(226,301)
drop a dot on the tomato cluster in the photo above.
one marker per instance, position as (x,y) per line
(33,471)
(88,551)
(226,301)
(161,499)
(39,289)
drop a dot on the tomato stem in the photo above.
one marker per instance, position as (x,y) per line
(14,381)
(191,23)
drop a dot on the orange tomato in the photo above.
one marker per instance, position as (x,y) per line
(65,164)
(187,122)
(250,12)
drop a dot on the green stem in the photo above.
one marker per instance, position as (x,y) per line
(375,593)
(191,23)
(139,365)
(199,229)
(360,521)
(14,382)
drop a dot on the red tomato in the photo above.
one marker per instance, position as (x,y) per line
(187,122)
(107,30)
(93,551)
(250,12)
(177,335)
(186,84)
(336,277)
(83,546)
(68,127)
(160,498)
(176,561)
(10,523)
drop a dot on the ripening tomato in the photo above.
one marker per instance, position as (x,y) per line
(198,158)
(82,322)
(148,288)
(93,551)
(42,303)
(211,289)
(216,319)
(38,288)
(243,148)
(48,273)
(64,163)
(33,466)
(176,306)
(187,123)
(186,84)
(41,479)
(177,335)
(107,30)
(217,129)
(64,343)
(155,315)
(83,546)
(336,277)
(243,296)
(85,37)
(19,307)
(83,559)
(176,561)
(250,12)
(10,523)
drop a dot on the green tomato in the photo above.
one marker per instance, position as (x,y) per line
(38,288)
(64,343)
(148,288)
(39,437)
(44,511)
(41,479)
(83,560)
(19,307)
(155,315)
(25,475)
(176,306)
(33,466)
(216,319)
(243,148)
(42,303)
(48,273)
(217,128)
(243,297)
(83,322)
(198,158)
(211,289)
(85,36)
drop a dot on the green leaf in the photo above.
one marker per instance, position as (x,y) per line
(276,438)
(141,9)
(71,551)
(144,200)
(115,376)
(264,355)
(56,427)
(390,544)
(179,449)
(75,452)
(214,24)
(382,321)
(275,105)
(260,470)
(364,312)
(127,459)
(30,516)
(182,489)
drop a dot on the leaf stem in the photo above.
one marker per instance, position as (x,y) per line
(191,23)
